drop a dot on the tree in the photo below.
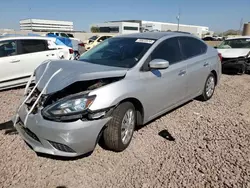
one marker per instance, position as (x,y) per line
(95,29)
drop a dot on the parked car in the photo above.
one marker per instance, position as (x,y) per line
(21,55)
(209,39)
(94,40)
(123,82)
(235,54)
(77,45)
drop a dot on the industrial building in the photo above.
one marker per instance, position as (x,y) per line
(46,25)
(150,26)
(118,27)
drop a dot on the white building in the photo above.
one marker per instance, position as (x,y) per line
(118,27)
(142,25)
(163,26)
(46,25)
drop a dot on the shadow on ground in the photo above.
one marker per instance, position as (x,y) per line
(8,127)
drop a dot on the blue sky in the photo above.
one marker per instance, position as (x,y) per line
(219,15)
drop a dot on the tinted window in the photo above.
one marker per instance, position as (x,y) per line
(70,35)
(192,47)
(8,48)
(64,35)
(117,52)
(31,46)
(130,28)
(168,50)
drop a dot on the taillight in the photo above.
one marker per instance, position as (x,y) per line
(81,44)
(71,51)
(220,56)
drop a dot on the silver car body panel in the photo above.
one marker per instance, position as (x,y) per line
(157,90)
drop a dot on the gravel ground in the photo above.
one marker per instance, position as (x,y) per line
(211,149)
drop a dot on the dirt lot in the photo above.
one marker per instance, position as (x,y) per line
(211,149)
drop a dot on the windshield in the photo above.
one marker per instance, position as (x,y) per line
(118,52)
(235,43)
(93,38)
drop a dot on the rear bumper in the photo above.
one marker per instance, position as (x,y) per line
(59,138)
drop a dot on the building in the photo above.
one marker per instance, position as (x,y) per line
(161,26)
(118,27)
(46,25)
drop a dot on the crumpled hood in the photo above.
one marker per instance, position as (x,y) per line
(70,72)
(233,53)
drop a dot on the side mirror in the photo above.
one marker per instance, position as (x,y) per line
(159,64)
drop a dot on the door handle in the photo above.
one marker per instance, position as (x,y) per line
(50,54)
(182,73)
(205,64)
(15,61)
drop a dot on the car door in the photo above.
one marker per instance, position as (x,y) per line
(165,87)
(10,62)
(34,52)
(194,52)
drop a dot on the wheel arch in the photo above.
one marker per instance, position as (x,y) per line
(138,107)
(215,75)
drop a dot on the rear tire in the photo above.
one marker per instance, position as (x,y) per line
(123,121)
(209,88)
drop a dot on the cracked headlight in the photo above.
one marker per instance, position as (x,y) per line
(70,106)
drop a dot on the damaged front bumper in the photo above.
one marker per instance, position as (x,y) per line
(67,139)
(242,64)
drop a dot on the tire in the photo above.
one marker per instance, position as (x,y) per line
(205,94)
(112,135)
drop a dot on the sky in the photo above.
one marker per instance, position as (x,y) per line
(218,15)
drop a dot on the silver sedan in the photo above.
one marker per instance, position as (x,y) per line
(123,82)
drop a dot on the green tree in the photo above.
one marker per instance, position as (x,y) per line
(95,29)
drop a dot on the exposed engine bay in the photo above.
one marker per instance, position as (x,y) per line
(240,65)
(75,88)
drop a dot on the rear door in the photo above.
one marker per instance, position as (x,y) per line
(194,53)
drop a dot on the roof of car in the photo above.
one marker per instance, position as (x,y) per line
(23,37)
(153,35)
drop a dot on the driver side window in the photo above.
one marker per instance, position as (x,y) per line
(168,50)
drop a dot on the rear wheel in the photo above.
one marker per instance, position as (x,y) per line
(209,88)
(120,129)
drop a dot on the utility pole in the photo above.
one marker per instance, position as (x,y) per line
(241,22)
(178,20)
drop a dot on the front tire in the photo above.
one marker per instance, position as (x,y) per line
(119,132)
(209,88)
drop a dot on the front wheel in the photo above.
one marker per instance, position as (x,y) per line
(209,88)
(120,129)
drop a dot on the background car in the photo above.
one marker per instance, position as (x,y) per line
(95,40)
(125,81)
(21,55)
(235,54)
(75,43)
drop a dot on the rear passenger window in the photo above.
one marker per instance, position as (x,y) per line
(192,47)
(168,50)
(31,46)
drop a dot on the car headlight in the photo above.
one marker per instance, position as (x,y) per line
(70,106)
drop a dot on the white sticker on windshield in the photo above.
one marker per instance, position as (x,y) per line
(145,41)
(248,40)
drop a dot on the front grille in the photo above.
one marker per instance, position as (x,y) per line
(32,99)
(61,147)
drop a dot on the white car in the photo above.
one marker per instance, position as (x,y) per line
(19,56)
(235,53)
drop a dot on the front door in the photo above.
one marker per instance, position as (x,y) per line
(166,87)
(11,67)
